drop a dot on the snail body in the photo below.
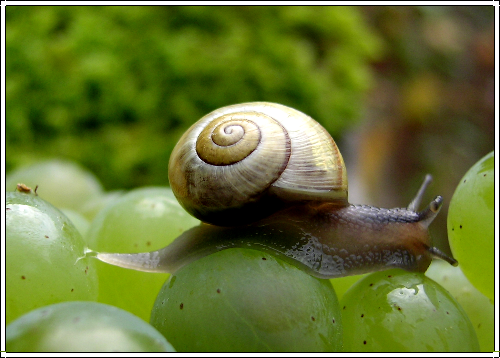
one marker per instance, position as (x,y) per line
(265,176)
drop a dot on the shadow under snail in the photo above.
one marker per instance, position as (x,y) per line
(265,176)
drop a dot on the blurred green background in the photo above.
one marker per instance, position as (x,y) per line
(404,90)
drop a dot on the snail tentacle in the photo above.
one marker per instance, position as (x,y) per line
(415,203)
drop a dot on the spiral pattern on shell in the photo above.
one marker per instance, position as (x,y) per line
(240,162)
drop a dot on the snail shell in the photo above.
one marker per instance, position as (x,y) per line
(239,163)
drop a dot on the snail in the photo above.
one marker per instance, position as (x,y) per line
(265,176)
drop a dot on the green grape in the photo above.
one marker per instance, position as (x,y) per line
(243,300)
(44,254)
(92,207)
(144,219)
(342,284)
(399,311)
(83,327)
(64,184)
(80,222)
(471,225)
(478,307)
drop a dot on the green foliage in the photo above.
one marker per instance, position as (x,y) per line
(114,87)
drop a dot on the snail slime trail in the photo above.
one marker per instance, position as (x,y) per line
(87,253)
(282,159)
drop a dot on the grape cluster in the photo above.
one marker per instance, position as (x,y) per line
(230,301)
